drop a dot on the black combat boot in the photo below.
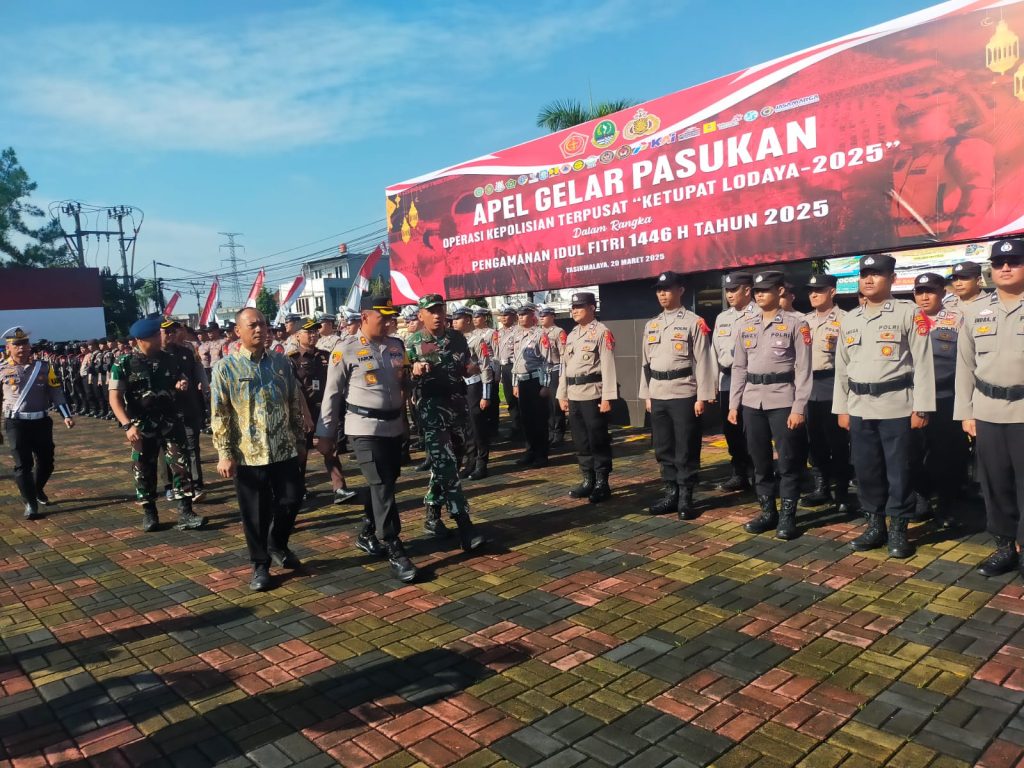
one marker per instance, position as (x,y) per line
(433,524)
(767,520)
(260,581)
(899,547)
(821,494)
(369,543)
(526,459)
(150,520)
(668,502)
(31,511)
(787,521)
(602,491)
(1003,560)
(685,508)
(468,538)
(584,489)
(874,537)
(738,482)
(187,519)
(401,565)
(479,471)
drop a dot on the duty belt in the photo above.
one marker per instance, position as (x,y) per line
(771,378)
(25,415)
(380,414)
(827,374)
(679,373)
(590,378)
(521,377)
(882,387)
(1013,393)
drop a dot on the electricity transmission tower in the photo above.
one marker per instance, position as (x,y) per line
(232,262)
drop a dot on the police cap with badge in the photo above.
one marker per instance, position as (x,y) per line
(462,311)
(479,311)
(377,303)
(1007,252)
(526,308)
(736,280)
(881,264)
(16,335)
(966,270)
(309,325)
(583,299)
(668,280)
(821,282)
(930,281)
(769,279)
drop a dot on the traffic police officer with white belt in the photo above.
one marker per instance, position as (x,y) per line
(27,390)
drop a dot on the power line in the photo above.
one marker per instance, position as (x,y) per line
(232,262)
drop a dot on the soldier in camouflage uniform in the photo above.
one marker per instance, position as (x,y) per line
(143,386)
(440,362)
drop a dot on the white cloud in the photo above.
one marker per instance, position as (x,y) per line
(277,81)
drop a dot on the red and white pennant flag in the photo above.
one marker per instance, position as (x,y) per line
(171,304)
(362,281)
(257,286)
(212,302)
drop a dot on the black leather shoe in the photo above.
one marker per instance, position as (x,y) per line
(525,460)
(686,510)
(787,521)
(433,524)
(668,502)
(370,544)
(260,581)
(1003,560)
(584,489)
(42,497)
(766,520)
(150,520)
(401,565)
(602,491)
(874,537)
(846,502)
(899,546)
(479,472)
(31,512)
(735,483)
(285,558)
(468,537)
(424,465)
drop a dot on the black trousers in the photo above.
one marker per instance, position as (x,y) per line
(80,399)
(507,385)
(268,498)
(590,436)
(494,410)
(380,461)
(676,433)
(734,437)
(829,444)
(762,428)
(31,446)
(1000,449)
(478,447)
(941,453)
(94,394)
(882,451)
(556,418)
(533,414)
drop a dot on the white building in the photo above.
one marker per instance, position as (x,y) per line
(328,282)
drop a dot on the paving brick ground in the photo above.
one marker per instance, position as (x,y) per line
(586,635)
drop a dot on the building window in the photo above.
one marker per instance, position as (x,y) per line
(319,303)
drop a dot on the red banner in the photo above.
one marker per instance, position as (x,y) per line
(904,134)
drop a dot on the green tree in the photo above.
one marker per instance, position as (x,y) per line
(379,287)
(43,245)
(266,302)
(148,295)
(120,306)
(565,113)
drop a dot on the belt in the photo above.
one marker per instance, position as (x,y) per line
(1013,393)
(380,414)
(787,377)
(829,374)
(555,368)
(726,369)
(26,415)
(880,388)
(521,377)
(472,379)
(679,373)
(590,378)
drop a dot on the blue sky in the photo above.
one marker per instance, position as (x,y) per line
(286,121)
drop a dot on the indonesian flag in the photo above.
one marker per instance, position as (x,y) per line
(293,293)
(362,281)
(212,302)
(170,304)
(257,286)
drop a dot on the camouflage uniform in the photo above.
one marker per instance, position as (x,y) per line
(148,385)
(443,414)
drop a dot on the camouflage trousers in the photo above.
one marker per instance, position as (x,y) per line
(444,424)
(168,437)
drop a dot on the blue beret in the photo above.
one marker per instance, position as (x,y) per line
(144,328)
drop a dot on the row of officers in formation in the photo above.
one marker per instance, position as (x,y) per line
(895,393)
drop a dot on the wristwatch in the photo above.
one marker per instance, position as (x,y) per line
(127,426)
(921,414)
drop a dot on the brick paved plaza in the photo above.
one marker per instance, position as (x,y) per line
(586,635)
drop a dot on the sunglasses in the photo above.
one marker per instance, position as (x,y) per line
(19,343)
(1005,262)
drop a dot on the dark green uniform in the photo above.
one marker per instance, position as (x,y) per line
(148,385)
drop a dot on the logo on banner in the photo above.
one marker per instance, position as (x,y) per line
(573,144)
(750,116)
(605,134)
(710,127)
(767,111)
(642,124)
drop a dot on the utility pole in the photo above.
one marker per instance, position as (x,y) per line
(75,210)
(118,212)
(232,263)
(76,241)
(196,288)
(159,290)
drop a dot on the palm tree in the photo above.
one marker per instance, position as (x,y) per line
(565,113)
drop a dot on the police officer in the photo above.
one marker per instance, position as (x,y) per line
(585,392)
(482,326)
(557,337)
(679,375)
(741,310)
(327,334)
(771,382)
(107,356)
(478,394)
(531,363)
(506,332)
(143,386)
(89,367)
(27,389)
(965,280)
(990,402)
(829,444)
(191,403)
(885,387)
(441,362)
(941,452)
(368,370)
